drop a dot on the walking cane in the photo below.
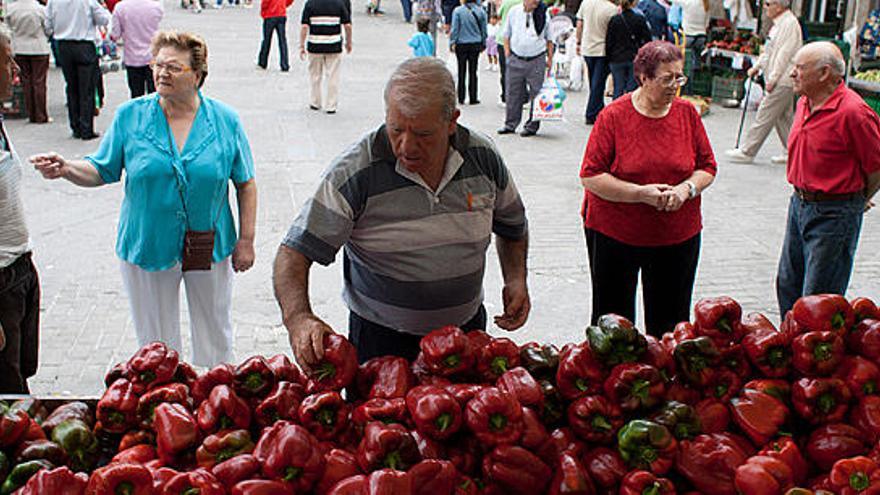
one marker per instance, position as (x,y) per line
(742,120)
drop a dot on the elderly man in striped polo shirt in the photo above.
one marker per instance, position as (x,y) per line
(414,204)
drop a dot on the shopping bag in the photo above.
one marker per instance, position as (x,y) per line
(756,94)
(548,103)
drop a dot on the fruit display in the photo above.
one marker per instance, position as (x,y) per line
(872,75)
(726,404)
(737,41)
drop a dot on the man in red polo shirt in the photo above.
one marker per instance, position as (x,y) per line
(835,170)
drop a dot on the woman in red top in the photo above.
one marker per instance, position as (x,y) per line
(647,161)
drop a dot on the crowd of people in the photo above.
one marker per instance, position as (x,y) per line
(415,203)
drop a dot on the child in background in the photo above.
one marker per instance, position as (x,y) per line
(421,42)
(491,44)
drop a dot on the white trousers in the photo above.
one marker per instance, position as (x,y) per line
(321,66)
(154,298)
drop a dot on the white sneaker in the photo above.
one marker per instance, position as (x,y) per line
(779,159)
(737,156)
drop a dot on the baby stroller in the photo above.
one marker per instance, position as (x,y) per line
(108,53)
(567,66)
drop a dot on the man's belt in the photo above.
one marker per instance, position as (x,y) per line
(818,196)
(529,59)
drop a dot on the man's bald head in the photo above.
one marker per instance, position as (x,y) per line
(825,54)
(819,68)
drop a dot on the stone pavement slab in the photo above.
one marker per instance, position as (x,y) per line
(85,322)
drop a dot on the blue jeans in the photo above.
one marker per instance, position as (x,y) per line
(277,25)
(597,71)
(819,247)
(407,10)
(624,80)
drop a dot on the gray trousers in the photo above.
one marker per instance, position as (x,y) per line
(775,111)
(524,79)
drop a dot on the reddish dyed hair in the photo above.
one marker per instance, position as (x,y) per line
(651,55)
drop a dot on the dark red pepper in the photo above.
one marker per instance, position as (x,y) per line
(282,403)
(759,415)
(496,357)
(534,433)
(824,313)
(176,430)
(863,309)
(463,392)
(855,476)
(579,373)
(116,479)
(866,417)
(222,410)
(384,410)
(59,481)
(864,339)
(433,477)
(606,467)
(386,377)
(286,370)
(516,469)
(262,487)
(387,446)
(199,482)
(713,415)
(763,475)
(494,417)
(780,389)
(337,369)
(153,364)
(570,477)
(817,353)
(222,374)
(289,453)
(117,409)
(635,386)
(719,319)
(829,443)
(172,392)
(595,419)
(820,400)
(861,376)
(723,385)
(768,349)
(236,469)
(388,482)
(786,450)
(645,483)
(325,414)
(434,411)
(709,461)
(338,465)
(520,383)
(253,378)
(447,351)
(139,454)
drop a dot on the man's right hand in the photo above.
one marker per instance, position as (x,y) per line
(753,71)
(307,340)
(50,165)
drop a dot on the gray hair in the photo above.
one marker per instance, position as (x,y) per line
(829,55)
(786,4)
(5,34)
(421,83)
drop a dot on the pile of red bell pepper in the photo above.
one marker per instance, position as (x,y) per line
(726,404)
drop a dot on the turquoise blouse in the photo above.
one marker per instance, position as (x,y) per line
(158,207)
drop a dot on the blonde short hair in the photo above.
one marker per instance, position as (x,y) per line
(187,42)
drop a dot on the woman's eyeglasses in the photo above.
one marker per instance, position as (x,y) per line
(672,81)
(172,69)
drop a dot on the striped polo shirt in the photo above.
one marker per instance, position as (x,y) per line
(14,240)
(325,19)
(413,257)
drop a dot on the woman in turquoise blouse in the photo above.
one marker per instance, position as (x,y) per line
(179,150)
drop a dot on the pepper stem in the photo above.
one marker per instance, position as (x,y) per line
(869,387)
(452,361)
(291,473)
(822,351)
(859,481)
(777,357)
(838,320)
(124,488)
(116,417)
(325,371)
(721,390)
(393,460)
(647,455)
(497,422)
(147,376)
(226,422)
(826,402)
(191,491)
(226,454)
(640,390)
(254,381)
(653,489)
(499,365)
(326,416)
(600,423)
(581,384)
(443,421)
(724,325)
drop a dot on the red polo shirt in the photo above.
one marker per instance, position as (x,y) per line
(643,150)
(834,148)
(274,8)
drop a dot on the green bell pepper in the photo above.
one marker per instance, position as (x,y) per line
(77,439)
(614,340)
(647,445)
(680,419)
(21,474)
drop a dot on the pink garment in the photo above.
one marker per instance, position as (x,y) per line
(135,22)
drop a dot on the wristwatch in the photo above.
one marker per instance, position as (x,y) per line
(692,189)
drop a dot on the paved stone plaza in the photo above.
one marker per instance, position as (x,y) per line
(85,322)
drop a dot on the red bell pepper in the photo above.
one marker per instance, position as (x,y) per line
(824,313)
(615,340)
(635,386)
(338,465)
(117,409)
(222,374)
(236,469)
(696,360)
(262,487)
(388,482)
(433,477)
(494,417)
(289,453)
(353,485)
(763,475)
(767,348)
(683,331)
(253,378)
(337,369)
(223,446)
(434,411)
(579,373)
(59,481)
(282,403)
(516,469)
(647,445)
(724,385)
(496,357)
(595,419)
(709,462)
(13,426)
(607,469)
(534,433)
(465,453)
(561,440)
(153,364)
(780,389)
(817,353)
(324,414)
(820,400)
(785,450)
(386,377)
(829,443)
(176,429)
(866,417)
(185,374)
(70,410)
(119,370)
(759,415)
(286,370)
(861,376)
(432,449)
(645,483)
(863,309)
(387,446)
(713,415)
(855,476)
(199,482)
(864,339)
(734,359)
(541,360)
(161,475)
(384,410)
(519,383)
(570,477)
(222,410)
(680,419)
(139,454)
(681,391)
(172,392)
(115,479)
(447,351)
(659,357)
(719,319)
(463,392)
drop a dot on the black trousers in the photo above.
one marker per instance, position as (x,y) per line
(468,55)
(78,64)
(278,25)
(140,80)
(667,272)
(502,68)
(374,340)
(20,318)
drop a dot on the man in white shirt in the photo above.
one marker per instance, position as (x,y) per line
(594,16)
(73,24)
(776,62)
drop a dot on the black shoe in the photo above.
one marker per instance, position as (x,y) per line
(331,112)
(475,102)
(76,135)
(90,136)
(286,70)
(527,133)
(589,121)
(313,107)
(506,130)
